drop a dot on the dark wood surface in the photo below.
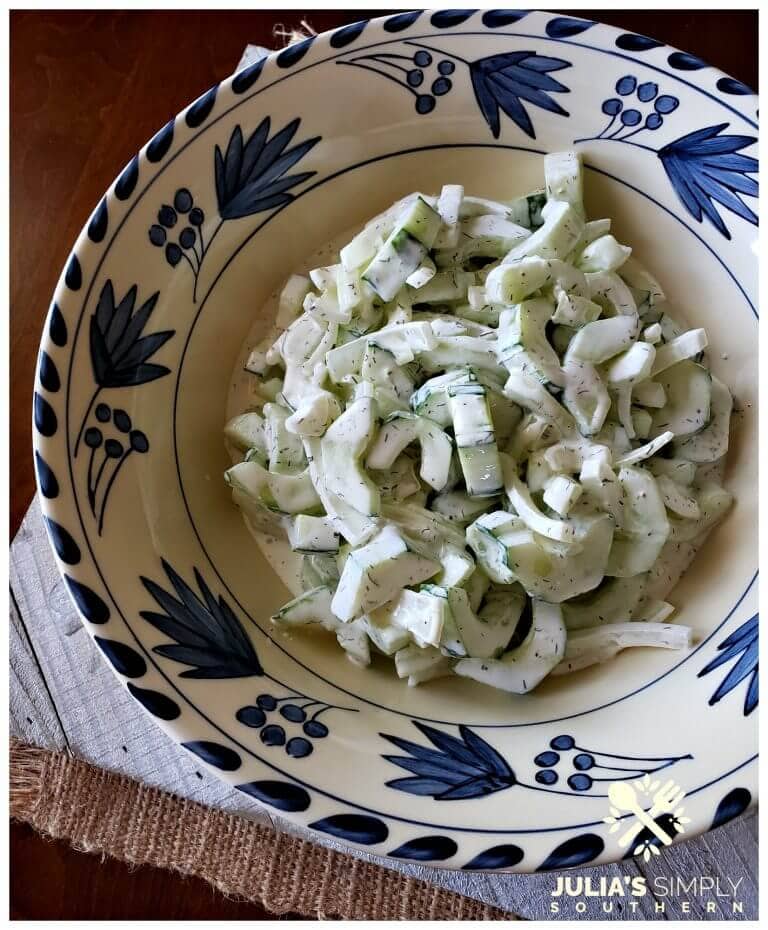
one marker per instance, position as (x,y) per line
(87,90)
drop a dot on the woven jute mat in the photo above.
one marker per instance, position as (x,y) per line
(100,812)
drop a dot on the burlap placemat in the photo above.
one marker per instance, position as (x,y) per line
(101,812)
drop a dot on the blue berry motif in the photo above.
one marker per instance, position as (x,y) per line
(120,357)
(250,177)
(607,766)
(297,711)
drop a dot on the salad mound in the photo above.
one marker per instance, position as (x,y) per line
(485,430)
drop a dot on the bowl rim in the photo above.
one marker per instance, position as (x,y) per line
(90,238)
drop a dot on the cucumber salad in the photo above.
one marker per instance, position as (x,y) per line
(487,435)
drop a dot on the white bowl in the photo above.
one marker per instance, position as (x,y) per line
(128,421)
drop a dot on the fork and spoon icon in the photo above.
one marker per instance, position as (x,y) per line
(624,797)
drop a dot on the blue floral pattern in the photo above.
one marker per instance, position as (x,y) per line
(207,635)
(501,83)
(741,645)
(250,177)
(467,766)
(704,167)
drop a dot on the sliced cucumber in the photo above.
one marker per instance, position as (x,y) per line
(585,396)
(645,527)
(399,431)
(563,179)
(377,572)
(312,534)
(311,607)
(523,343)
(246,431)
(688,389)
(589,647)
(613,600)
(711,443)
(597,342)
(419,665)
(522,669)
(283,493)
(603,254)
(686,345)
(343,446)
(556,238)
(285,449)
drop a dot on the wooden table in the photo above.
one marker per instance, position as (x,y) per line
(87,90)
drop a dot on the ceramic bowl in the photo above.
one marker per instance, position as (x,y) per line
(137,357)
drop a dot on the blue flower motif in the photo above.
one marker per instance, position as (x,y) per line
(250,176)
(207,635)
(704,167)
(743,643)
(503,82)
(456,769)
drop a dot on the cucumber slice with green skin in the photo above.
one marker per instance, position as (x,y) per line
(473,429)
(526,211)
(635,275)
(602,489)
(529,393)
(258,516)
(318,570)
(556,238)
(457,351)
(354,641)
(712,442)
(686,345)
(593,229)
(405,340)
(646,526)
(285,449)
(488,636)
(352,292)
(312,534)
(300,340)
(405,249)
(677,499)
(490,552)
(460,508)
(599,341)
(543,570)
(608,289)
(345,360)
(292,299)
(421,613)
(486,314)
(377,572)
(283,493)
(649,394)
(564,179)
(714,502)
(451,643)
(343,446)
(384,635)
(423,274)
(604,254)
(523,343)
(393,386)
(613,600)
(419,665)
(246,431)
(688,388)
(590,647)
(521,670)
(585,396)
(398,432)
(311,607)
(325,308)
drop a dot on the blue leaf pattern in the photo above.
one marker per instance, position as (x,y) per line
(458,768)
(504,82)
(704,168)
(742,643)
(207,634)
(250,176)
